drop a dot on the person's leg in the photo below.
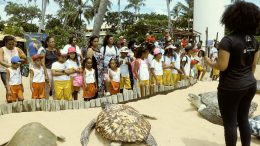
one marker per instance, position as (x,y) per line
(242,116)
(35,93)
(20,93)
(49,85)
(228,104)
(3,78)
(41,90)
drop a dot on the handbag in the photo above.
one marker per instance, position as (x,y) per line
(24,70)
(78,80)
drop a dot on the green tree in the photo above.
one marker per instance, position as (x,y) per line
(22,13)
(13,30)
(136,5)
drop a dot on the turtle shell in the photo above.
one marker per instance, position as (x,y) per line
(122,123)
(33,134)
(209,98)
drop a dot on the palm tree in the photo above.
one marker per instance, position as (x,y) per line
(136,4)
(169,15)
(100,16)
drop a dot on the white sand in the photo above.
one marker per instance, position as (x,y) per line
(178,122)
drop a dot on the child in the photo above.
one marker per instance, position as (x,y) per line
(156,68)
(114,75)
(38,76)
(168,65)
(61,79)
(200,66)
(14,81)
(177,72)
(89,79)
(124,61)
(186,62)
(141,70)
(74,66)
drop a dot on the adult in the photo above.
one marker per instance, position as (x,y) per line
(109,51)
(49,57)
(72,43)
(98,63)
(238,53)
(33,47)
(6,53)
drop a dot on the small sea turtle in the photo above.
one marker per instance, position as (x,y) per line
(207,104)
(34,134)
(255,126)
(120,123)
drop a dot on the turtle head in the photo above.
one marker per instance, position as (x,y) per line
(105,104)
(195,100)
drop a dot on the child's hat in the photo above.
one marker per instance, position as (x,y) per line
(37,56)
(71,50)
(156,51)
(15,59)
(124,49)
(62,53)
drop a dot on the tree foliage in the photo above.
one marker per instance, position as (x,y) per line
(22,13)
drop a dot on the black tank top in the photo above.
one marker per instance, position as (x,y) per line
(50,57)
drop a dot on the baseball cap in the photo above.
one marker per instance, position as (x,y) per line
(71,50)
(15,59)
(124,49)
(37,56)
(156,51)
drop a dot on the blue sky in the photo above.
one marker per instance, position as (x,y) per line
(157,6)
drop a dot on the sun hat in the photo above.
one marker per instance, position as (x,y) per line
(156,51)
(15,59)
(71,50)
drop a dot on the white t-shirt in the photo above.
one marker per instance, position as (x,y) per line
(177,63)
(214,54)
(89,76)
(168,60)
(124,67)
(157,66)
(115,75)
(110,52)
(187,65)
(72,64)
(59,66)
(15,76)
(38,74)
(41,50)
(149,59)
(143,71)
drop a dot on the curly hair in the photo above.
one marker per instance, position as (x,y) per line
(241,18)
(105,41)
(91,39)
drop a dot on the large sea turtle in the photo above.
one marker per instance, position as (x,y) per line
(255,126)
(120,123)
(34,134)
(208,108)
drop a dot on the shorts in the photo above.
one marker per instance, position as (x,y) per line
(114,87)
(159,80)
(183,77)
(90,90)
(144,83)
(16,93)
(125,83)
(199,68)
(215,72)
(176,78)
(62,90)
(38,90)
(167,77)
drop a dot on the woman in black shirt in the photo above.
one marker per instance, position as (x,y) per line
(237,61)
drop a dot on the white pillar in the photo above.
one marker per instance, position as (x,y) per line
(207,13)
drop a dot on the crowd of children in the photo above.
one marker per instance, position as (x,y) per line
(141,68)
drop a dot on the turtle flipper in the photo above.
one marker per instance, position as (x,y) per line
(61,138)
(149,117)
(4,144)
(86,132)
(150,141)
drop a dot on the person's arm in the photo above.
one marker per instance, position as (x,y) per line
(46,74)
(31,79)
(256,58)
(84,79)
(7,82)
(22,55)
(182,67)
(136,68)
(90,53)
(222,62)
(2,62)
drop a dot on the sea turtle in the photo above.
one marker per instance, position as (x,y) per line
(208,108)
(255,126)
(120,123)
(34,134)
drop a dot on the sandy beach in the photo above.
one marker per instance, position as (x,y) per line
(178,122)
